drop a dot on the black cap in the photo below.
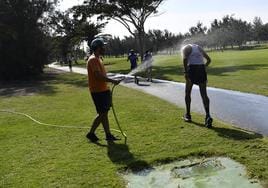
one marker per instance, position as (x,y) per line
(98,42)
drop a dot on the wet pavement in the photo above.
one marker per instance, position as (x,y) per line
(244,110)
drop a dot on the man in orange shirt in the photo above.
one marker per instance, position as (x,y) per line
(100,92)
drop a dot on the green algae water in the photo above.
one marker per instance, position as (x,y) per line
(207,173)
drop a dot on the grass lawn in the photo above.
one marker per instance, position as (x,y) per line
(39,156)
(245,71)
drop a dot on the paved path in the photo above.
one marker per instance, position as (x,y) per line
(247,111)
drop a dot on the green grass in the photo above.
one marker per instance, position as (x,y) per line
(39,156)
(245,71)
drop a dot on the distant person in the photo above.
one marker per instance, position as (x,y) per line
(148,61)
(133,58)
(195,73)
(100,92)
(61,62)
(70,64)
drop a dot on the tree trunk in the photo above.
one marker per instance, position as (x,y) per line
(141,43)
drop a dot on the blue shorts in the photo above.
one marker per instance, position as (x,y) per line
(102,101)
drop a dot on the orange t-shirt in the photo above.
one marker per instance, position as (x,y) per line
(94,64)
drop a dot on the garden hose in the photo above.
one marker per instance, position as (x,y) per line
(71,127)
(41,123)
(62,126)
(115,116)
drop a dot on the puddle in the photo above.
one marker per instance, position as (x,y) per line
(207,173)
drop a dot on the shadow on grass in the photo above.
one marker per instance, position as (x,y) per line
(25,89)
(109,63)
(62,77)
(219,71)
(29,87)
(121,71)
(72,79)
(164,72)
(42,85)
(120,154)
(234,134)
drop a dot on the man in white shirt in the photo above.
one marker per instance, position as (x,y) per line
(195,73)
(148,61)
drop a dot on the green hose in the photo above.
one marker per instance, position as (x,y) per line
(51,125)
(41,123)
(72,127)
(115,116)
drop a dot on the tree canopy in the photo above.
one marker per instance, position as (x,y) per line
(132,14)
(70,30)
(22,38)
(222,33)
(32,33)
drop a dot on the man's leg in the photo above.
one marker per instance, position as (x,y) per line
(105,123)
(188,90)
(150,74)
(95,124)
(91,134)
(106,127)
(203,92)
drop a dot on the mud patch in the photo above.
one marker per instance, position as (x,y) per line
(207,173)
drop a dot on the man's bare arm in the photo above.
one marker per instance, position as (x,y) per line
(101,77)
(206,56)
(185,53)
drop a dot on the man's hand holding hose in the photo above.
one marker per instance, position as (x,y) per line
(100,76)
(117,80)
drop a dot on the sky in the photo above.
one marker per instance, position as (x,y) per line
(178,16)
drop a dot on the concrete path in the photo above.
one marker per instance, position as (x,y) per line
(247,111)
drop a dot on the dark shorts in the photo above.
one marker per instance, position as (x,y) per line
(102,101)
(197,74)
(133,66)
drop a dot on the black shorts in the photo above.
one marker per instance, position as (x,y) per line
(133,66)
(197,74)
(102,101)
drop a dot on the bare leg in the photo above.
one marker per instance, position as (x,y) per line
(91,135)
(149,74)
(105,123)
(188,90)
(95,123)
(203,92)
(106,127)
